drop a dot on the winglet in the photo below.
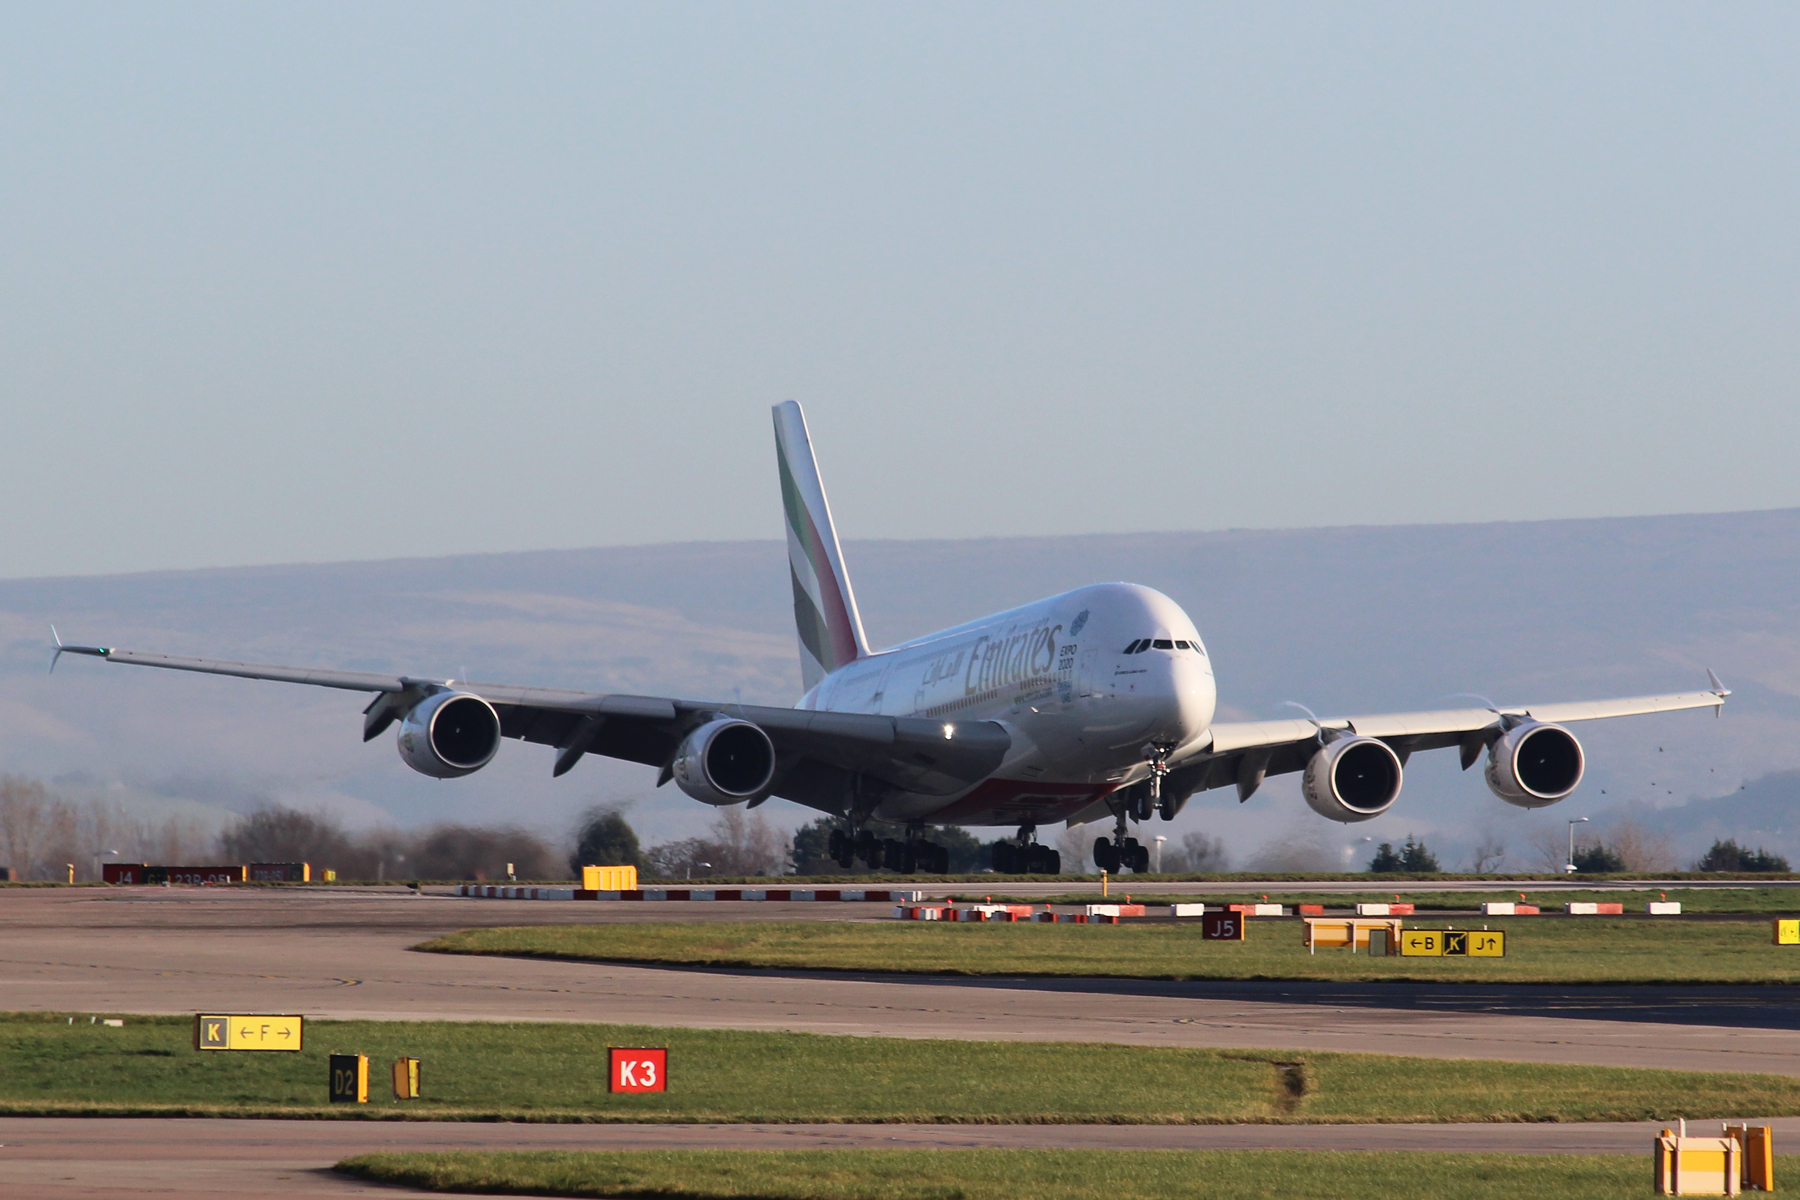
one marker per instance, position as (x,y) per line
(61,649)
(1719,690)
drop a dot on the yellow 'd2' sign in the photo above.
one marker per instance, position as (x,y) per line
(240,1032)
(1441,943)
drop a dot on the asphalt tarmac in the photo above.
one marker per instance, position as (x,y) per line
(69,1158)
(344,953)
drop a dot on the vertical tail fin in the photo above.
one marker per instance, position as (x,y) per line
(831,632)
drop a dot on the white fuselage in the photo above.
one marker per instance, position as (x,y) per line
(1055,673)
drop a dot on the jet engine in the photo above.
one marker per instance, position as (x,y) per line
(1352,779)
(725,761)
(1534,765)
(450,734)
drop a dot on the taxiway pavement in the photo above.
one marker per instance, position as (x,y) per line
(56,1158)
(345,953)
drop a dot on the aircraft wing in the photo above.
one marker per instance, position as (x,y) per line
(1242,753)
(817,753)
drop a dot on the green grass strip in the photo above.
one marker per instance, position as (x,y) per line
(557,1072)
(1008,1174)
(1586,950)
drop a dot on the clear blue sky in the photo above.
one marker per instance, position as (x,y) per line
(306,282)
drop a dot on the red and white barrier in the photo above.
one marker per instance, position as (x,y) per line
(1258,910)
(488,891)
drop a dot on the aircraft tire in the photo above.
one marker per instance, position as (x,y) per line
(1106,855)
(1140,859)
(1141,804)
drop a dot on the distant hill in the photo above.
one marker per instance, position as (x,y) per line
(1343,620)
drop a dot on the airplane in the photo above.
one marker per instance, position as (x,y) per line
(1095,703)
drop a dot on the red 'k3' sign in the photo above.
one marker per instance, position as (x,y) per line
(639,1070)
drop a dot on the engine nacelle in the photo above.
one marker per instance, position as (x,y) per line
(725,761)
(1534,765)
(450,734)
(1352,779)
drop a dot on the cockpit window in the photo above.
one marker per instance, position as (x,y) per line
(1182,646)
(1164,644)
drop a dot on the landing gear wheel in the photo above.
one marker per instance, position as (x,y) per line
(1045,861)
(1143,802)
(1106,855)
(893,854)
(1136,857)
(1005,858)
(838,844)
(868,848)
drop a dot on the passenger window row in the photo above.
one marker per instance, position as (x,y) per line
(1143,644)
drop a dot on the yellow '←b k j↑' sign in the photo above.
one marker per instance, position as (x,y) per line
(1452,943)
(241,1032)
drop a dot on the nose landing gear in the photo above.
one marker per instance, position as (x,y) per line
(1121,852)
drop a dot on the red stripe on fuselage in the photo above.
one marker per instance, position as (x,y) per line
(1015,801)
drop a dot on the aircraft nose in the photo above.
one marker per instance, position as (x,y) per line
(1189,697)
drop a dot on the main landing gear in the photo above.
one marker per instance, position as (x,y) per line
(889,854)
(1025,857)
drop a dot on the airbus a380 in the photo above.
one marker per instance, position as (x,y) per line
(1094,704)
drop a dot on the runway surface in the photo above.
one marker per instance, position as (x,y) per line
(344,953)
(64,1158)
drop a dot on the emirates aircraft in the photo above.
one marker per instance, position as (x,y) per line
(1094,704)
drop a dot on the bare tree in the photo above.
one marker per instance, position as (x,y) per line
(1198,855)
(24,806)
(1296,850)
(1488,854)
(471,852)
(1640,848)
(1075,843)
(1549,849)
(278,834)
(741,844)
(748,844)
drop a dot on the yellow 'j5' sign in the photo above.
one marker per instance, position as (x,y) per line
(240,1032)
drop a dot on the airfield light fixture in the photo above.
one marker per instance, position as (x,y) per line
(1569,866)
